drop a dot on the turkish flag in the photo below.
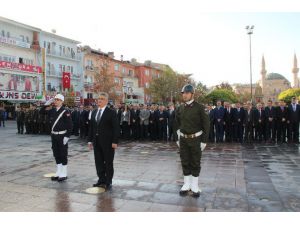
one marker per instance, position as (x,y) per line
(66,79)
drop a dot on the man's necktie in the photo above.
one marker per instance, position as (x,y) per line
(99,116)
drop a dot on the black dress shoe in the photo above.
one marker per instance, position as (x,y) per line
(183,193)
(196,194)
(61,179)
(54,178)
(102,185)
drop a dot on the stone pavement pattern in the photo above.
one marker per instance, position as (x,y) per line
(148,177)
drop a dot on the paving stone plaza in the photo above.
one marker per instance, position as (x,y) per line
(148,177)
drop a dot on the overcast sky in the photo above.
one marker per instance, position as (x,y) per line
(207,39)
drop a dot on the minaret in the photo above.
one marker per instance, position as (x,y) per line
(263,73)
(295,72)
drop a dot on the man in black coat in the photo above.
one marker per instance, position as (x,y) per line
(82,121)
(75,120)
(210,113)
(293,120)
(228,122)
(259,121)
(135,122)
(162,120)
(281,117)
(249,123)
(20,116)
(270,112)
(171,120)
(103,137)
(238,118)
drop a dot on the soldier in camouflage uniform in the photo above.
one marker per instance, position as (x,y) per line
(192,128)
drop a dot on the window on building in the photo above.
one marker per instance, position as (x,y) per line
(45,44)
(123,70)
(147,85)
(20,60)
(60,50)
(8,34)
(147,72)
(71,69)
(49,87)
(22,38)
(158,75)
(60,68)
(68,68)
(130,72)
(48,66)
(116,67)
(89,95)
(64,50)
(117,80)
(27,39)
(3,33)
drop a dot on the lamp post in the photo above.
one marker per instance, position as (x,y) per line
(249,32)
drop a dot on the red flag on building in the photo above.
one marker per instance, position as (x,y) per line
(66,79)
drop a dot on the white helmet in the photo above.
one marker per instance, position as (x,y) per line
(59,96)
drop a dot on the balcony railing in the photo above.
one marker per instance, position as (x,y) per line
(55,73)
(70,55)
(14,41)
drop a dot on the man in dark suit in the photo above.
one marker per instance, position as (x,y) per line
(103,136)
(219,113)
(249,123)
(135,122)
(270,122)
(228,121)
(259,122)
(293,120)
(281,117)
(238,118)
(162,123)
(82,121)
(171,119)
(210,113)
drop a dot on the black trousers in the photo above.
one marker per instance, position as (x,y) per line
(104,157)
(60,151)
(144,131)
(294,132)
(20,125)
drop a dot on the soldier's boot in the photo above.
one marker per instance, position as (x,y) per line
(58,171)
(63,175)
(186,186)
(194,187)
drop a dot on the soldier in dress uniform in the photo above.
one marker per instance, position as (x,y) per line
(61,128)
(192,125)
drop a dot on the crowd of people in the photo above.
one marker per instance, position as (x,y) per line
(245,123)
(137,122)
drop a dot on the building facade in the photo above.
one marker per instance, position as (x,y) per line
(20,62)
(62,55)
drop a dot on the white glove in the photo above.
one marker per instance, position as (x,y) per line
(202,146)
(65,141)
(49,101)
(178,137)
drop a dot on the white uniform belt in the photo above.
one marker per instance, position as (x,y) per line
(191,135)
(59,132)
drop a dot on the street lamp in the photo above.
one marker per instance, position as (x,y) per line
(249,32)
